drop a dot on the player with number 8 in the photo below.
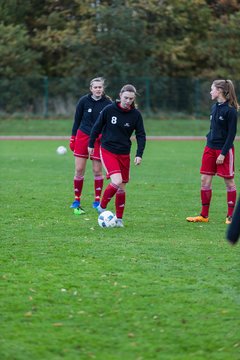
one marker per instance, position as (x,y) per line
(116,123)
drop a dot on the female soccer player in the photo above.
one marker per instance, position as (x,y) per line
(117,122)
(218,155)
(87,111)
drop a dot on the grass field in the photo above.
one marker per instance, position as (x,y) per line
(160,288)
(63,127)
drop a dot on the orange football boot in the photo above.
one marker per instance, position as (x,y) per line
(198,218)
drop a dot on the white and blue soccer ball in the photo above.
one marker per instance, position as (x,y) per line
(107,219)
(61,150)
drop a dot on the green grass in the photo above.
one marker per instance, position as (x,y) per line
(160,288)
(64,127)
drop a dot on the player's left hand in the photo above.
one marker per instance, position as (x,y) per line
(137,160)
(220,159)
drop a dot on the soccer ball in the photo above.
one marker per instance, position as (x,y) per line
(107,219)
(61,150)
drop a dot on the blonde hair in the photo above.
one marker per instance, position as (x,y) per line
(228,91)
(102,80)
(98,79)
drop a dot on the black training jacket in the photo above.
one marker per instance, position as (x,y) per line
(117,126)
(223,127)
(87,112)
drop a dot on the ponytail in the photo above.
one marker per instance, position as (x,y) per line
(228,91)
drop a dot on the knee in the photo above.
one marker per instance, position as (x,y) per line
(79,171)
(118,182)
(97,167)
(230,184)
(116,179)
(206,182)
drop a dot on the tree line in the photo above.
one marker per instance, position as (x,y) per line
(86,38)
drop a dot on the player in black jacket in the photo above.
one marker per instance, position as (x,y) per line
(87,111)
(117,122)
(218,156)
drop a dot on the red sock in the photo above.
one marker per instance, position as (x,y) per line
(108,194)
(206,195)
(78,184)
(231,199)
(120,203)
(98,185)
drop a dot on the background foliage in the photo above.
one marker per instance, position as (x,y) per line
(170,50)
(117,38)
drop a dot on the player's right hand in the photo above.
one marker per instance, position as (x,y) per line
(90,150)
(72,142)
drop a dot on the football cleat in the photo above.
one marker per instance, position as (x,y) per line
(79,211)
(95,204)
(100,209)
(119,223)
(228,220)
(198,218)
(75,204)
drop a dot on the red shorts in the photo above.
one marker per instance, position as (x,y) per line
(115,164)
(81,146)
(209,166)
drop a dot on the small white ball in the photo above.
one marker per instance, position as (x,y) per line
(61,150)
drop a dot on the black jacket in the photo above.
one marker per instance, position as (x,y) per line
(223,127)
(117,126)
(87,112)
